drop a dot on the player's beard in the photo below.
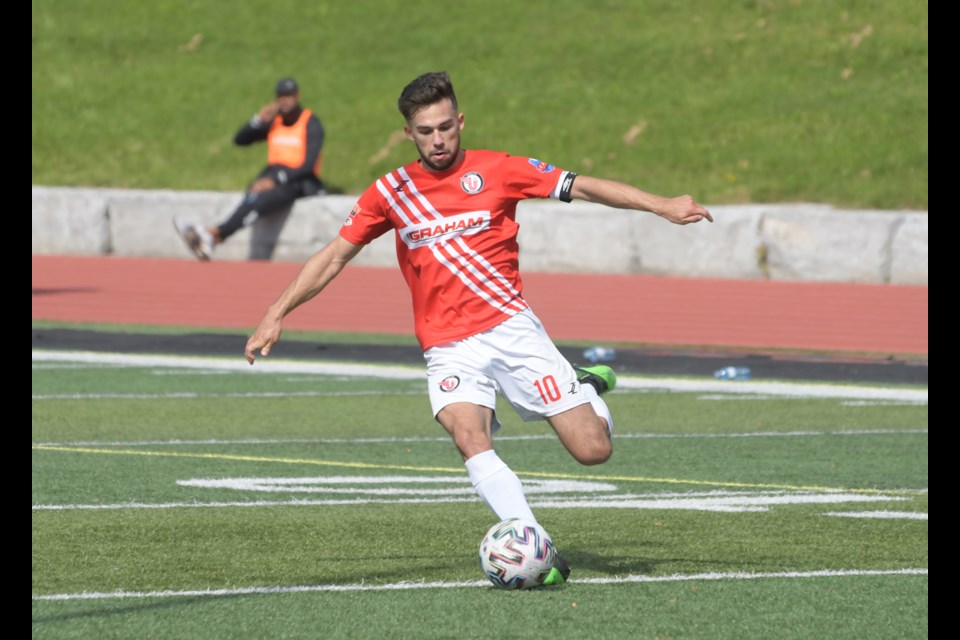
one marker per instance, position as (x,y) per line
(452,157)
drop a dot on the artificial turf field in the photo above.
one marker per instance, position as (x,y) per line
(197,497)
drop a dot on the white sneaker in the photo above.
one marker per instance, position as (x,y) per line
(198,239)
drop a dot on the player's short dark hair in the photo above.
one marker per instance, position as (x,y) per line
(425,90)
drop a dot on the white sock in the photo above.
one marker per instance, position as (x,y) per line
(598,405)
(498,486)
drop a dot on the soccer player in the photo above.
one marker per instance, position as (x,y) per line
(453,213)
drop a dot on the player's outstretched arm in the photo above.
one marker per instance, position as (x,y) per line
(316,274)
(679,210)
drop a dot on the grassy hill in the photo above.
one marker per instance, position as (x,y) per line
(733,102)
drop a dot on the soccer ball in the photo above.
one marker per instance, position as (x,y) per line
(516,554)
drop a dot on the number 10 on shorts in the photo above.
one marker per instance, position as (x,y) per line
(548,389)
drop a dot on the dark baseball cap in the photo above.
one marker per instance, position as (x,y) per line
(287,87)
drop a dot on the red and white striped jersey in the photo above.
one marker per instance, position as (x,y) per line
(456,236)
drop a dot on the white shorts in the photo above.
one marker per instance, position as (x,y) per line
(515,359)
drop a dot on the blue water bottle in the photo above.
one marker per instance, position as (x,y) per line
(732,373)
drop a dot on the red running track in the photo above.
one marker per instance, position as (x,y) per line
(689,312)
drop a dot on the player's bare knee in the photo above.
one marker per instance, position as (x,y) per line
(470,442)
(597,453)
(595,450)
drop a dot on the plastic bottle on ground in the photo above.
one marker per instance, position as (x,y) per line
(600,354)
(732,373)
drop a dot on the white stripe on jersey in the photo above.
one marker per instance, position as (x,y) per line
(427,207)
(388,194)
(504,283)
(460,273)
(501,289)
(485,278)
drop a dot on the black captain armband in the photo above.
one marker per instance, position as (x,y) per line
(566,187)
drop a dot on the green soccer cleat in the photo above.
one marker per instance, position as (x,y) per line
(558,573)
(554,578)
(600,376)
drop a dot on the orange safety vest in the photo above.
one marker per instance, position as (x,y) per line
(288,145)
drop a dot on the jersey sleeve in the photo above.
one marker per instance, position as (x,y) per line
(367,220)
(533,178)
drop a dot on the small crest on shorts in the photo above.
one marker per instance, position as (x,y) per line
(449,383)
(471,182)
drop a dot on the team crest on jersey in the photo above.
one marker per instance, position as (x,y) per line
(449,383)
(472,182)
(541,166)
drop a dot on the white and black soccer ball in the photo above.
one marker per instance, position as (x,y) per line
(516,554)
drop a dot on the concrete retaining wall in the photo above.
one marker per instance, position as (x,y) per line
(780,242)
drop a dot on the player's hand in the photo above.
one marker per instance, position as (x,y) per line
(263,339)
(684,210)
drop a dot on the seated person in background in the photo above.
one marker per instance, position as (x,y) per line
(294,138)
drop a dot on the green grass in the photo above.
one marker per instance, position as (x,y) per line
(733,102)
(129,438)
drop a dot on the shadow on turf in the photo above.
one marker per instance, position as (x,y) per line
(583,560)
(133,608)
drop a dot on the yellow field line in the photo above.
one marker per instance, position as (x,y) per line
(402,467)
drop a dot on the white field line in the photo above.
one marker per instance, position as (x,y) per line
(404,586)
(446,439)
(238,364)
(247,394)
(718,505)
(541,494)
(884,515)
(266,365)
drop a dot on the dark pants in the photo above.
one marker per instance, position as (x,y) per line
(259,205)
